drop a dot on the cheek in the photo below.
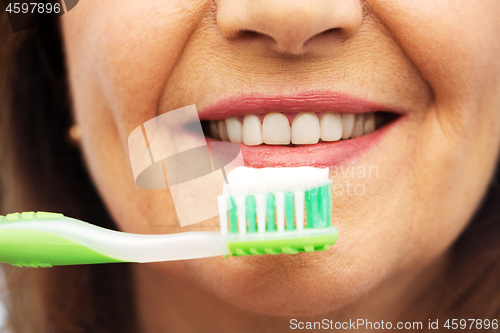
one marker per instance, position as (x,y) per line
(119,58)
(452,43)
(125,53)
(455,46)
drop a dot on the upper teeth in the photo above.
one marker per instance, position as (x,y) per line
(276,129)
(306,128)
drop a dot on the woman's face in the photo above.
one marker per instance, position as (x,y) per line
(402,194)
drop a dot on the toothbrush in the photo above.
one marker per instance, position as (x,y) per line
(253,221)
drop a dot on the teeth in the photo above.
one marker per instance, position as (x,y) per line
(347,125)
(252,130)
(369,123)
(358,126)
(276,129)
(234,130)
(214,129)
(223,131)
(305,129)
(331,127)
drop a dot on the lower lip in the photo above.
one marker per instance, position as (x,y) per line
(324,154)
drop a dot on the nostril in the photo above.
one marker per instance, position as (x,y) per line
(332,32)
(252,34)
(329,31)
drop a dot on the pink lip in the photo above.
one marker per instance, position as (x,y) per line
(305,102)
(324,154)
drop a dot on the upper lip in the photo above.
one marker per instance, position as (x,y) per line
(302,102)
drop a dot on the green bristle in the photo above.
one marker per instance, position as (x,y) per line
(329,209)
(289,211)
(324,206)
(250,205)
(321,216)
(314,195)
(309,218)
(319,200)
(270,212)
(233,216)
(318,207)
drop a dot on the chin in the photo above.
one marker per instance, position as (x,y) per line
(305,284)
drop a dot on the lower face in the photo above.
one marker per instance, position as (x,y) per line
(409,128)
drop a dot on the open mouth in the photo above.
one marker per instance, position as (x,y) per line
(311,129)
(292,129)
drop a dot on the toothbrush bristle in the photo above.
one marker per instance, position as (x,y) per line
(281,211)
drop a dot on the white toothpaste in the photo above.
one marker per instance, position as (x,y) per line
(245,181)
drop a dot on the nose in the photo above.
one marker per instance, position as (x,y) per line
(288,25)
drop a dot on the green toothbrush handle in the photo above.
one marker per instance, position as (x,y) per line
(25,243)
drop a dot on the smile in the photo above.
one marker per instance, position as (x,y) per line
(314,129)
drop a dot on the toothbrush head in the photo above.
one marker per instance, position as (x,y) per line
(275,223)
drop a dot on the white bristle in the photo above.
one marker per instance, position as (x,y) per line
(222,203)
(298,197)
(242,214)
(280,210)
(260,203)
